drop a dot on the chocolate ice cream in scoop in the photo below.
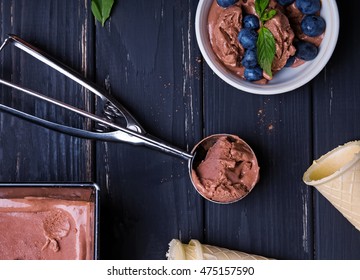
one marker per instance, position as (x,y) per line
(224,168)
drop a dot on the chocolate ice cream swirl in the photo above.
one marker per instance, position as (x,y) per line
(224,25)
(229,171)
(224,29)
(284,36)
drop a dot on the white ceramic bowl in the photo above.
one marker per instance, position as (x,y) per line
(288,78)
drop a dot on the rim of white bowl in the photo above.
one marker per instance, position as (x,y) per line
(312,68)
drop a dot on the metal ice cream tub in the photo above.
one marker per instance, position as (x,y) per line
(49,221)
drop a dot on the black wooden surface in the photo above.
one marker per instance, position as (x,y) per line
(146,56)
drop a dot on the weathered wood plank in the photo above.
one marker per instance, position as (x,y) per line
(275,219)
(147,57)
(31,152)
(336,121)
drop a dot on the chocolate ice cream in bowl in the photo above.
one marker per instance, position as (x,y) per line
(222,167)
(267,46)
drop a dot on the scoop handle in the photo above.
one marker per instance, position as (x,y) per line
(131,122)
(133,133)
(121,135)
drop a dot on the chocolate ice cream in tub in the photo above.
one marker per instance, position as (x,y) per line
(116,124)
(44,221)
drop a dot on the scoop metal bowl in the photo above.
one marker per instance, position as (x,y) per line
(199,153)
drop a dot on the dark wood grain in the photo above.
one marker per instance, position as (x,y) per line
(336,121)
(147,57)
(275,219)
(32,153)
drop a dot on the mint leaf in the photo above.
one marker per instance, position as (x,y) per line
(260,6)
(101,9)
(265,49)
(96,10)
(265,43)
(268,15)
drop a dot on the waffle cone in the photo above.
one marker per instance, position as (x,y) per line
(197,251)
(336,175)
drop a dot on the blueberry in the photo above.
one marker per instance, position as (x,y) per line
(305,50)
(313,25)
(253,74)
(308,7)
(247,38)
(290,61)
(226,3)
(250,58)
(251,21)
(285,2)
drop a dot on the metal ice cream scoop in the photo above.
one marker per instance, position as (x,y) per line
(115,124)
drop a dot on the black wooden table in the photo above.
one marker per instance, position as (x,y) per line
(147,56)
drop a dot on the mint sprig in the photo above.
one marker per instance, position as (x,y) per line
(101,9)
(265,49)
(266,42)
